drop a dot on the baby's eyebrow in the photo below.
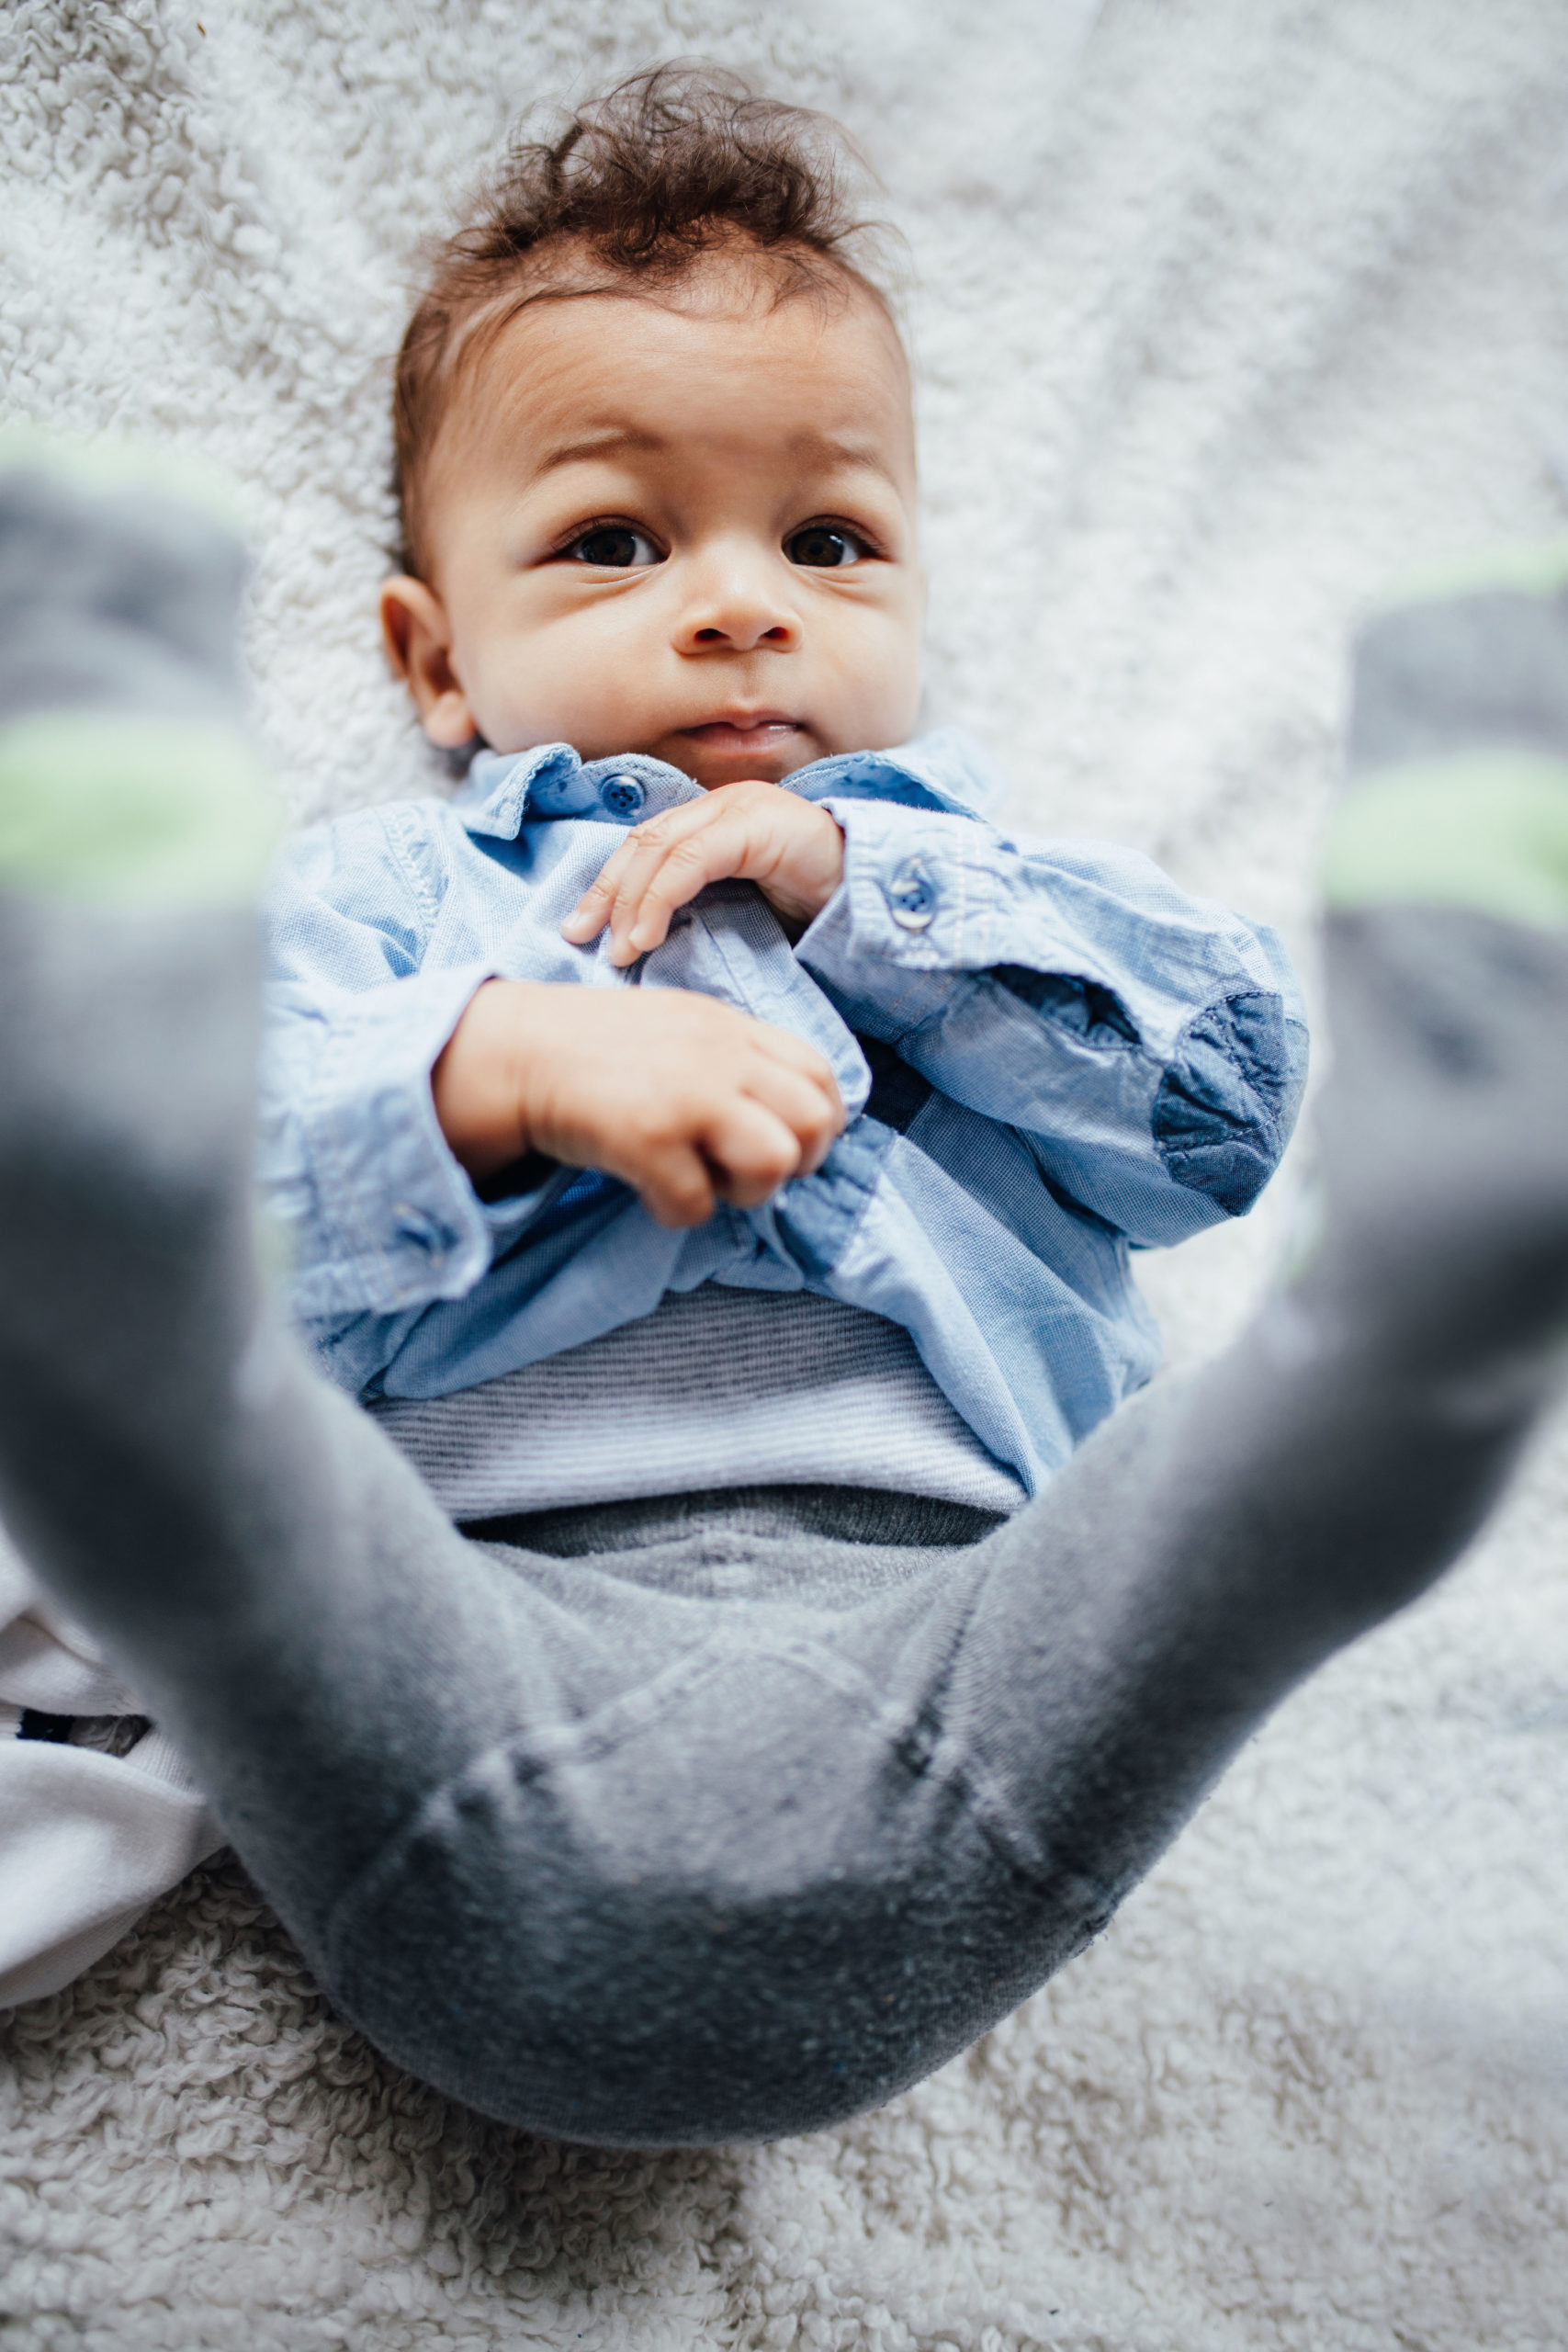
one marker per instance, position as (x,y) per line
(613,440)
(862,456)
(601,441)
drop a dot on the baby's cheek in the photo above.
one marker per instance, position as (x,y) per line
(554,683)
(875,697)
(508,714)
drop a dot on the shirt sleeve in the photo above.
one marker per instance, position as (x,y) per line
(1149,1046)
(371,1211)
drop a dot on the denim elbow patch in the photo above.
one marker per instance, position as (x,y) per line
(1228,1100)
(1083,1007)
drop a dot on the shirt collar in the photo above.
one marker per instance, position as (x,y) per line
(947,769)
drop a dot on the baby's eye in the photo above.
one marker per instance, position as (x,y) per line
(616,546)
(826,547)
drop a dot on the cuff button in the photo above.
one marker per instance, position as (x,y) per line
(912,895)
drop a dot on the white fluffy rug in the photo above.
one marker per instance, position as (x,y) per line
(1228,309)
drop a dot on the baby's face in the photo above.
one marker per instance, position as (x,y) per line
(685,527)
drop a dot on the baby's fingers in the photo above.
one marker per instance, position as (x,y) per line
(752,1150)
(618,894)
(591,912)
(807,1101)
(616,891)
(664,874)
(678,1186)
(660,866)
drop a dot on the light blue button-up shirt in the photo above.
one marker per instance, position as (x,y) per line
(1047,1051)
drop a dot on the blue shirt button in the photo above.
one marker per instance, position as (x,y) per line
(621,796)
(912,895)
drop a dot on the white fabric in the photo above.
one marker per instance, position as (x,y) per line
(715,1389)
(1223,320)
(86,1841)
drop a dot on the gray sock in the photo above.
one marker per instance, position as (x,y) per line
(1444,1129)
(132,825)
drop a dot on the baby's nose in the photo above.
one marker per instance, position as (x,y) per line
(738,605)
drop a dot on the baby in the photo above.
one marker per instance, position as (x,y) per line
(657,466)
(714,1149)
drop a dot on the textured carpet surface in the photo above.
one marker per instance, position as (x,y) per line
(1226,310)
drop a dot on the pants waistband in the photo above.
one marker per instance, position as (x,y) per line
(840,1514)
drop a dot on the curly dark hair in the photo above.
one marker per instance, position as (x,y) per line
(640,186)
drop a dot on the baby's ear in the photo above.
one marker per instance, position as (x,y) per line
(418,639)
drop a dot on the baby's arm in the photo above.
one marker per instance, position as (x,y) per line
(372,1182)
(688,1100)
(1148,1044)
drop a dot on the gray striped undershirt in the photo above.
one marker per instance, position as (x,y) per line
(718,1387)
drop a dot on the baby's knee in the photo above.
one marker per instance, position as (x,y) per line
(503,1956)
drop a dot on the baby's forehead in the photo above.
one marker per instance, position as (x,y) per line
(721,345)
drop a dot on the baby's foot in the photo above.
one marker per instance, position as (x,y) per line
(125,777)
(134,824)
(1444,1126)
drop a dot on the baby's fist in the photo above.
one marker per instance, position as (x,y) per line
(754,833)
(689,1101)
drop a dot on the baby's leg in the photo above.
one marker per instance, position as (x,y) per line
(802,1863)
(235,1528)
(1209,1546)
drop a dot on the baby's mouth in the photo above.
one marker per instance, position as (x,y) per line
(752,732)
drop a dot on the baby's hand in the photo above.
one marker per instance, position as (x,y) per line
(790,848)
(687,1099)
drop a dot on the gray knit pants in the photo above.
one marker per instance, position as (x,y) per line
(723,1817)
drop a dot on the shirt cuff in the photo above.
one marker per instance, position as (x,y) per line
(919,901)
